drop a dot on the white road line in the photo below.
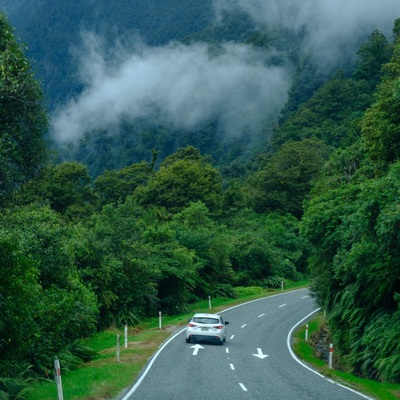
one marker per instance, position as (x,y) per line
(288,344)
(243,387)
(282,305)
(232,367)
(304,297)
(227,350)
(261,315)
(243,325)
(153,359)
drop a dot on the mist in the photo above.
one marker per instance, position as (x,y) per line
(333,28)
(184,85)
(236,85)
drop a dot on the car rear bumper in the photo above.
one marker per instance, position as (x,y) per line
(204,338)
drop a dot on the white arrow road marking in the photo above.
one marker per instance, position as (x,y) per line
(196,348)
(260,354)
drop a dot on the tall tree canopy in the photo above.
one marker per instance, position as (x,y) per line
(23,119)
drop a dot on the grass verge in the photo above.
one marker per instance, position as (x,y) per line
(305,351)
(104,378)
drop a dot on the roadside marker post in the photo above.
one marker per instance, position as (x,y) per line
(118,347)
(209,302)
(282,285)
(330,355)
(159,320)
(307,333)
(126,336)
(57,377)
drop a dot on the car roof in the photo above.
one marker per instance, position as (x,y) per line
(206,315)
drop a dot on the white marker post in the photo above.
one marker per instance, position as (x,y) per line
(330,355)
(57,377)
(209,302)
(126,336)
(282,286)
(118,348)
(307,333)
(159,320)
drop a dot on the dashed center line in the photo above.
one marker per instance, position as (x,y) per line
(261,315)
(232,367)
(232,336)
(227,350)
(243,387)
(243,325)
(282,305)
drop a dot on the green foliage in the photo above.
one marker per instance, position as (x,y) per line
(210,243)
(66,187)
(116,185)
(354,231)
(15,388)
(182,180)
(45,305)
(77,255)
(381,123)
(23,121)
(264,246)
(20,293)
(284,182)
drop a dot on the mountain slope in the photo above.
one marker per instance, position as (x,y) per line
(53,28)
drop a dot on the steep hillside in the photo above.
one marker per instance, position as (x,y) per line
(123,78)
(53,28)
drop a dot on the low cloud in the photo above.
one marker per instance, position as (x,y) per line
(333,28)
(235,84)
(185,85)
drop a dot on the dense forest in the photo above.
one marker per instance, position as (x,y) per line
(86,246)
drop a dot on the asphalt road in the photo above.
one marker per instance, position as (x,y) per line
(255,362)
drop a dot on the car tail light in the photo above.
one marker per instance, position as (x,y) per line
(217,326)
(191,325)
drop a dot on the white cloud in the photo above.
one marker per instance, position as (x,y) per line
(186,84)
(332,26)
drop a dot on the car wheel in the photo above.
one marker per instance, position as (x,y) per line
(187,340)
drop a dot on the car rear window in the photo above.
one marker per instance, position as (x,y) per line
(204,320)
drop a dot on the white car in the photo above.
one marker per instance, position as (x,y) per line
(207,328)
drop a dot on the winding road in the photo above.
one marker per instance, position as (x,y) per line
(255,363)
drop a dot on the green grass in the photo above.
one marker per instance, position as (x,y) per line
(303,349)
(105,378)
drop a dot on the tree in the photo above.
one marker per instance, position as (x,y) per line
(197,231)
(66,187)
(381,125)
(265,247)
(373,54)
(184,177)
(23,119)
(19,296)
(116,185)
(43,299)
(285,181)
(356,272)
